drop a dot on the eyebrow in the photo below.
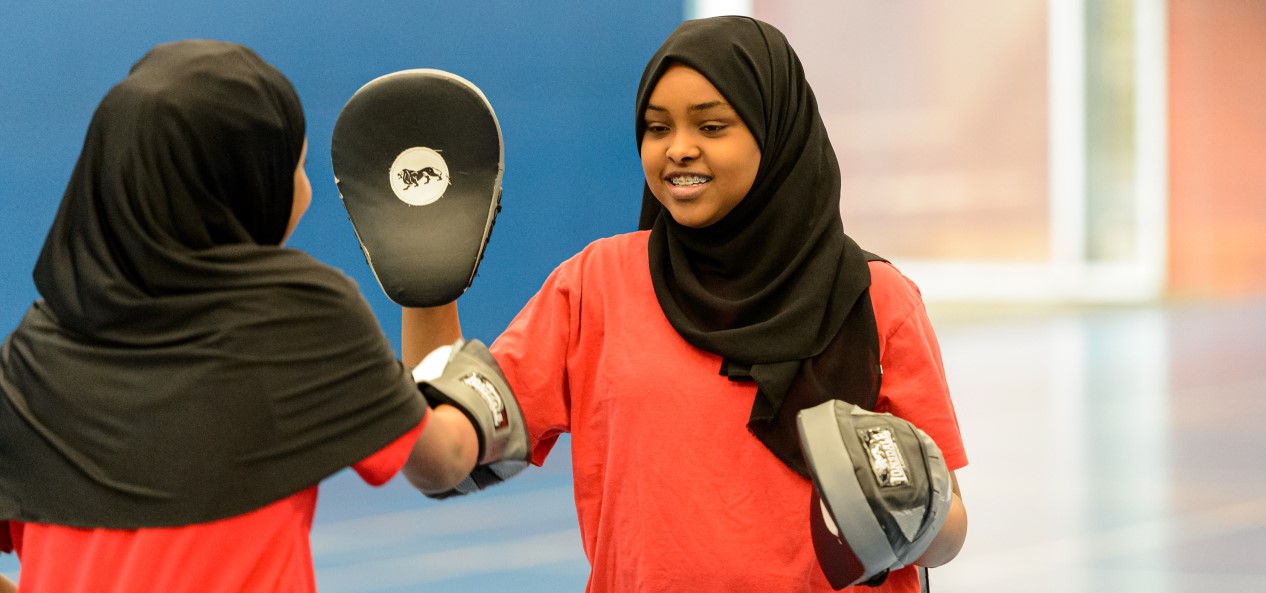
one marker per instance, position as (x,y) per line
(693,108)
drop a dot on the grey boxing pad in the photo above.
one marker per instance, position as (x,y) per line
(881,491)
(418,160)
(466,376)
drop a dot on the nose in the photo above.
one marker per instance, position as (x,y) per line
(682,148)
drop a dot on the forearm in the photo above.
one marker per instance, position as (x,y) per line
(448,448)
(947,543)
(424,330)
(445,453)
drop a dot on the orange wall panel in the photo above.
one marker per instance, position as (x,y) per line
(1217,148)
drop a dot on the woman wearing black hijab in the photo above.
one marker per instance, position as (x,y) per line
(169,405)
(678,356)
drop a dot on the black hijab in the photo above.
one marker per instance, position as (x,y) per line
(181,366)
(775,287)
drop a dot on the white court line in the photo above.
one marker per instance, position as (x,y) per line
(454,516)
(1044,557)
(517,554)
(1121,580)
(1214,391)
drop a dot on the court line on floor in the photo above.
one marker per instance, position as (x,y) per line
(1038,558)
(478,513)
(416,569)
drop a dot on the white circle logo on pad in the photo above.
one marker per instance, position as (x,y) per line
(419,176)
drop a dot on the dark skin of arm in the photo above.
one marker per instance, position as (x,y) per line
(448,448)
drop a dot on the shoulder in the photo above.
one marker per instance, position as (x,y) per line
(618,246)
(612,269)
(317,271)
(892,289)
(625,252)
(316,279)
(304,290)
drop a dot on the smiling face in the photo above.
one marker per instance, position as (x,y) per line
(698,156)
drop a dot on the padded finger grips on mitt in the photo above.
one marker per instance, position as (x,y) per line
(418,160)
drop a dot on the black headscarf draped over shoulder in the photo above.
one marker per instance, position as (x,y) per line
(775,287)
(181,366)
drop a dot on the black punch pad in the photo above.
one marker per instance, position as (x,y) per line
(418,160)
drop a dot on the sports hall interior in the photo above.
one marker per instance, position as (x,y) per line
(1077,186)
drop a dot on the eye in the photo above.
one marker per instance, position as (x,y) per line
(656,128)
(713,128)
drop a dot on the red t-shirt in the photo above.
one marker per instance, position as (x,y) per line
(672,492)
(264,551)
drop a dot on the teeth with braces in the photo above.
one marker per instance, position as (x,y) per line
(689,180)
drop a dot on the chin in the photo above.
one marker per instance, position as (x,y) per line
(693,223)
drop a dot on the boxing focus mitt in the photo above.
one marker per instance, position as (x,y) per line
(466,376)
(418,160)
(881,491)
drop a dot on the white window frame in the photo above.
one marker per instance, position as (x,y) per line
(1069,276)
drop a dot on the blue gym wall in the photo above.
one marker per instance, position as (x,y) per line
(561,76)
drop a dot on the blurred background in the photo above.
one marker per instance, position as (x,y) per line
(1078,187)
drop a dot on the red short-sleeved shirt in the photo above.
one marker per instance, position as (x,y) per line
(672,492)
(264,551)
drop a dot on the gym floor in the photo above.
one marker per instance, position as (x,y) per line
(1112,450)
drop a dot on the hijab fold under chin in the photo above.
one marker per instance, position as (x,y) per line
(775,287)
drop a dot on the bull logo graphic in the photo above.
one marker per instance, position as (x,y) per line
(411,177)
